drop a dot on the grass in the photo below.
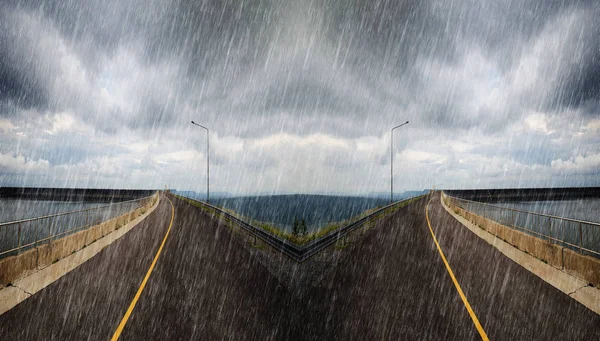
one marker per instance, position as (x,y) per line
(257,245)
(342,246)
(306,238)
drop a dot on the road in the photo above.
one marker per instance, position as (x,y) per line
(392,285)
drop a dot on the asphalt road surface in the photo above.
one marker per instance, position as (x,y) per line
(392,285)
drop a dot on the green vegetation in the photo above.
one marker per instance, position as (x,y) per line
(256,244)
(299,235)
(299,228)
(342,246)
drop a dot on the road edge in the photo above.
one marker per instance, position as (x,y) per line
(572,286)
(27,286)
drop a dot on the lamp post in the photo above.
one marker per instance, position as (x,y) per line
(207,161)
(392,161)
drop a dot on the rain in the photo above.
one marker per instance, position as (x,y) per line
(299,169)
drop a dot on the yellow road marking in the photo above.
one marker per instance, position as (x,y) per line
(460,292)
(143,285)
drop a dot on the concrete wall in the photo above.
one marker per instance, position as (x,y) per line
(18,266)
(585,267)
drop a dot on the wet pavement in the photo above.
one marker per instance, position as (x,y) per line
(390,285)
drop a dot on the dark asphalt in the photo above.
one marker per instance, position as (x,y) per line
(511,303)
(88,302)
(392,285)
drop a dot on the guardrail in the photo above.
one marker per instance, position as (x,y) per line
(19,235)
(578,235)
(301,253)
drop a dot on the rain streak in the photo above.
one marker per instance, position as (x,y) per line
(299,170)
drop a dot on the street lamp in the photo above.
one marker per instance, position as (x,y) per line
(207,160)
(392,162)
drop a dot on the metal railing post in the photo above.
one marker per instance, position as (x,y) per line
(580,239)
(37,234)
(550,229)
(19,239)
(52,222)
(562,230)
(514,218)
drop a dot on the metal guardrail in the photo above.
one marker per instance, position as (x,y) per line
(19,235)
(578,235)
(300,253)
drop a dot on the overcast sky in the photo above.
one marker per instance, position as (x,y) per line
(300,95)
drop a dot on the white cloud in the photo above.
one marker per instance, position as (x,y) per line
(422,157)
(19,164)
(60,123)
(321,140)
(6,125)
(461,146)
(538,122)
(593,126)
(580,164)
(177,156)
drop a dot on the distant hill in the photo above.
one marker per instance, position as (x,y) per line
(202,196)
(316,210)
(397,196)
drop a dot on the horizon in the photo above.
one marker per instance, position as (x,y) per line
(219,194)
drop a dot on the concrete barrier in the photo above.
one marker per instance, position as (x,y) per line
(584,267)
(67,245)
(539,248)
(107,227)
(18,266)
(44,256)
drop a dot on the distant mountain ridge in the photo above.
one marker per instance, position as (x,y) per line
(221,195)
(316,210)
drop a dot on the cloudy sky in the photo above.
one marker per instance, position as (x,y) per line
(300,95)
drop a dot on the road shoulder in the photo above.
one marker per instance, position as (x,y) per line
(26,287)
(572,286)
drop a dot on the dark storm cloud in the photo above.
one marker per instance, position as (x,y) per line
(101,24)
(17,84)
(30,39)
(391,33)
(23,91)
(236,39)
(581,87)
(211,32)
(219,45)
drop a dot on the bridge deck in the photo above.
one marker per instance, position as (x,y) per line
(392,285)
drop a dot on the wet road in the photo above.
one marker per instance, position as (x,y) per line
(391,285)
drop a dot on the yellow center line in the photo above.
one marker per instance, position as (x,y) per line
(143,285)
(460,292)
